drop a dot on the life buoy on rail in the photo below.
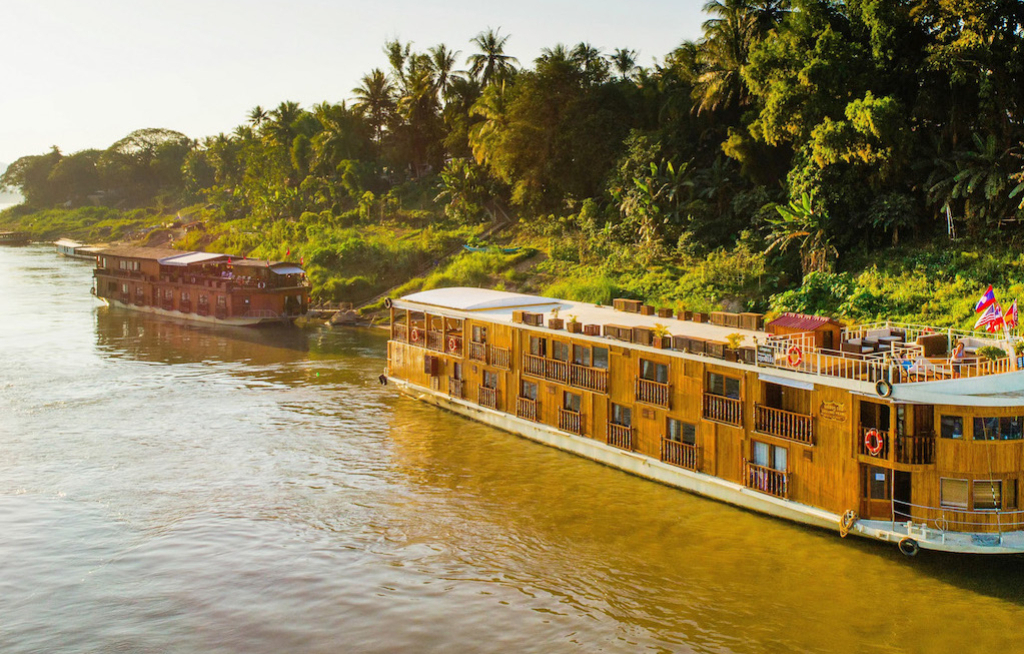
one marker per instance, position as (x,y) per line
(794,355)
(873,442)
(414,335)
(261,285)
(453,344)
(883,388)
(909,547)
(387,303)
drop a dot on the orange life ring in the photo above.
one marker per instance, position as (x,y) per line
(262,285)
(453,345)
(873,442)
(794,355)
(415,335)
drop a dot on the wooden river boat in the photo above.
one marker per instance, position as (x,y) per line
(201,286)
(14,238)
(872,430)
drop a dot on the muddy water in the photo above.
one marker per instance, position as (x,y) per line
(173,488)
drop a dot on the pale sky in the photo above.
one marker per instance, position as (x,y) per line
(83,73)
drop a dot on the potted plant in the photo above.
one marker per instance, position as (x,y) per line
(661,339)
(732,352)
(554,322)
(574,326)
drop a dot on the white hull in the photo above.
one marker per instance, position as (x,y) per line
(714,487)
(194,317)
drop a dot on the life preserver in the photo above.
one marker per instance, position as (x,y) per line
(453,345)
(909,547)
(794,355)
(261,285)
(387,303)
(415,335)
(883,388)
(873,442)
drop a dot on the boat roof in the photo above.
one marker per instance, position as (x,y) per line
(499,306)
(133,252)
(803,322)
(182,258)
(189,258)
(67,242)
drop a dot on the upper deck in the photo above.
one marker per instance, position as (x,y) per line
(914,361)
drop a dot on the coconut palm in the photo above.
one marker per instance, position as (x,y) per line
(623,62)
(258,116)
(491,64)
(375,99)
(442,64)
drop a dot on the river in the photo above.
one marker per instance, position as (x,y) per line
(174,488)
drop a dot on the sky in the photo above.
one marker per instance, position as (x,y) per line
(82,74)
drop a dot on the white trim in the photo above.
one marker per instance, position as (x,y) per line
(783,381)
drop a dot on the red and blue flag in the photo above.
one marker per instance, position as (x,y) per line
(987,300)
(991,320)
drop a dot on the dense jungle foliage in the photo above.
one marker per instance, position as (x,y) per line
(814,155)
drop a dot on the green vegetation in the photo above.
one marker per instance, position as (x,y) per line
(808,155)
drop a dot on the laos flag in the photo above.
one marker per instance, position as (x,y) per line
(987,300)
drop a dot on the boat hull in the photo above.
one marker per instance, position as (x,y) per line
(713,487)
(240,321)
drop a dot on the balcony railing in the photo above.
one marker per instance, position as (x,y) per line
(723,409)
(680,454)
(556,370)
(592,379)
(399,332)
(879,441)
(526,408)
(570,421)
(620,436)
(533,365)
(455,388)
(652,392)
(915,450)
(487,397)
(784,424)
(767,480)
(435,341)
(500,357)
(478,352)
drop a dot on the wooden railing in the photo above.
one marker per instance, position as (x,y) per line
(620,436)
(399,332)
(455,388)
(435,341)
(915,450)
(556,370)
(500,357)
(526,408)
(487,397)
(882,437)
(784,424)
(680,454)
(723,409)
(478,352)
(570,421)
(653,392)
(533,365)
(767,480)
(592,379)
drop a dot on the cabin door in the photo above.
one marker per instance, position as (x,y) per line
(875,492)
(901,502)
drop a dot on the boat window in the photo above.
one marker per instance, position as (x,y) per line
(538,346)
(725,386)
(622,415)
(529,390)
(559,351)
(651,371)
(457,370)
(479,334)
(769,456)
(124,288)
(490,379)
(952,427)
(600,357)
(571,402)
(998,429)
(988,495)
(953,493)
(682,432)
(581,355)
(1010,495)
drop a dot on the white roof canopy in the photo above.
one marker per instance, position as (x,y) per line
(190,258)
(477,299)
(287,270)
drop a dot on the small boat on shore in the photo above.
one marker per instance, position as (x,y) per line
(14,238)
(201,286)
(71,248)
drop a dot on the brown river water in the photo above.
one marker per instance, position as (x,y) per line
(173,488)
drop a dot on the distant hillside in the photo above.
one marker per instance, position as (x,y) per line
(5,197)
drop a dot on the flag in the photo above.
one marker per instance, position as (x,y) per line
(987,300)
(991,320)
(288,253)
(1011,315)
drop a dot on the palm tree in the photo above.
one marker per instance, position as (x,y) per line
(980,178)
(442,64)
(485,137)
(623,62)
(258,116)
(590,60)
(799,222)
(281,123)
(375,99)
(491,64)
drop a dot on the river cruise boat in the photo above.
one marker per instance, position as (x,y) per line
(73,249)
(201,286)
(14,238)
(886,431)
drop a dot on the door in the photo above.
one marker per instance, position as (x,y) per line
(901,501)
(876,493)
